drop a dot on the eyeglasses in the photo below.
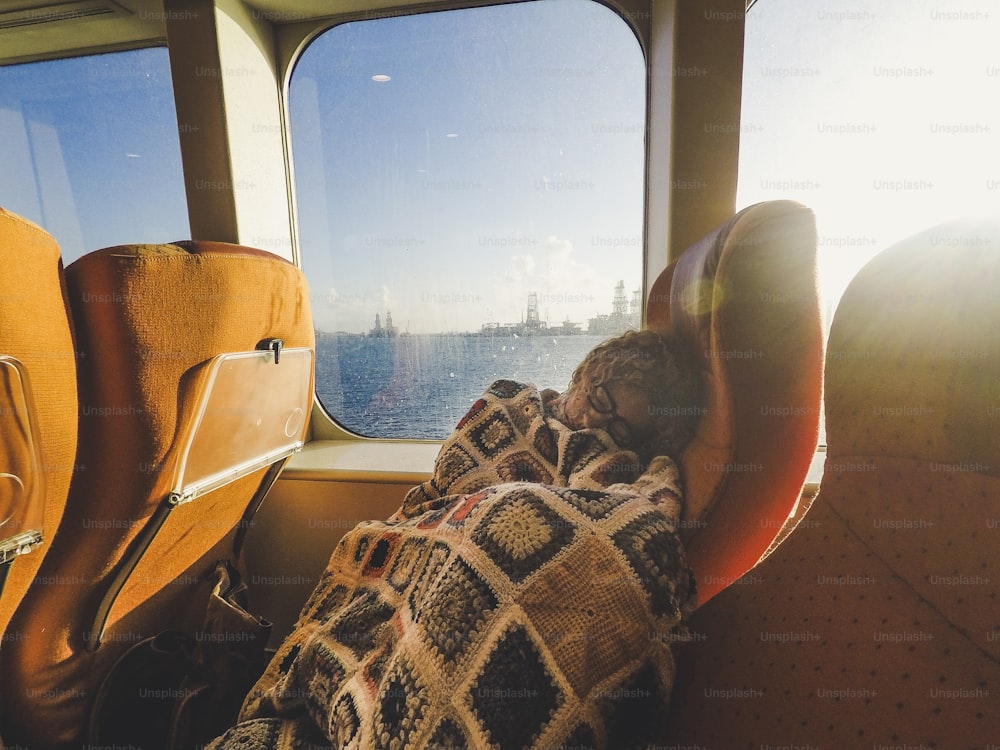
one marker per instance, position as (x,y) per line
(601,402)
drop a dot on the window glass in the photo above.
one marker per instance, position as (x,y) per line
(91,149)
(881,117)
(469,190)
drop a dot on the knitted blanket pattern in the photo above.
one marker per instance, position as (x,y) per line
(525,597)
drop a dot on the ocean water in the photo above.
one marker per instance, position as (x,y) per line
(420,386)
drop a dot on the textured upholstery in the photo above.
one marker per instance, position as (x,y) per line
(745,297)
(876,623)
(148,319)
(35,328)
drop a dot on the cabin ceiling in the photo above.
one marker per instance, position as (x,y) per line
(40,29)
(37,29)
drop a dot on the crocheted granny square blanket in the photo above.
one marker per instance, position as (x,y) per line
(524,597)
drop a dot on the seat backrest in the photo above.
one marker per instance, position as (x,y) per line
(159,328)
(38,408)
(745,298)
(876,622)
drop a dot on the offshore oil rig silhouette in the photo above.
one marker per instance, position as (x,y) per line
(530,325)
(387,331)
(624,314)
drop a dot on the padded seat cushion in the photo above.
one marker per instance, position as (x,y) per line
(876,621)
(745,298)
(35,329)
(826,644)
(149,317)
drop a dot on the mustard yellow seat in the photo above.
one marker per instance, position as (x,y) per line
(35,339)
(746,300)
(151,323)
(876,623)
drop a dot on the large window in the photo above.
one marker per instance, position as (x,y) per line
(91,151)
(469,189)
(882,117)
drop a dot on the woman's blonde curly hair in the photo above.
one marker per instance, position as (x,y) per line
(662,367)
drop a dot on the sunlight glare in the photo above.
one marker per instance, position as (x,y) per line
(885,122)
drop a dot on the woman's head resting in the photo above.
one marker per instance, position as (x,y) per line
(642,387)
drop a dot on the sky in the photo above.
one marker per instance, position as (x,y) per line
(91,150)
(448,164)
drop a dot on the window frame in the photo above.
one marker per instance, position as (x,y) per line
(295,37)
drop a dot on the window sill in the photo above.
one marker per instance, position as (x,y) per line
(405,462)
(392,462)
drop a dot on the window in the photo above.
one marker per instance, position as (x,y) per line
(882,118)
(469,190)
(91,150)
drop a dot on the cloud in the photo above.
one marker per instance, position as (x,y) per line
(519,268)
(567,287)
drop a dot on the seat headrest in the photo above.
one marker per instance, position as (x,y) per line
(886,585)
(913,407)
(911,341)
(150,322)
(36,332)
(745,298)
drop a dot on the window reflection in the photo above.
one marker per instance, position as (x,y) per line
(91,149)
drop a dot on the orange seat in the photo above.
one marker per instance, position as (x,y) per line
(38,410)
(876,623)
(745,298)
(152,322)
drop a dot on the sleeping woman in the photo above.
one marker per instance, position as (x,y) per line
(526,596)
(642,387)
